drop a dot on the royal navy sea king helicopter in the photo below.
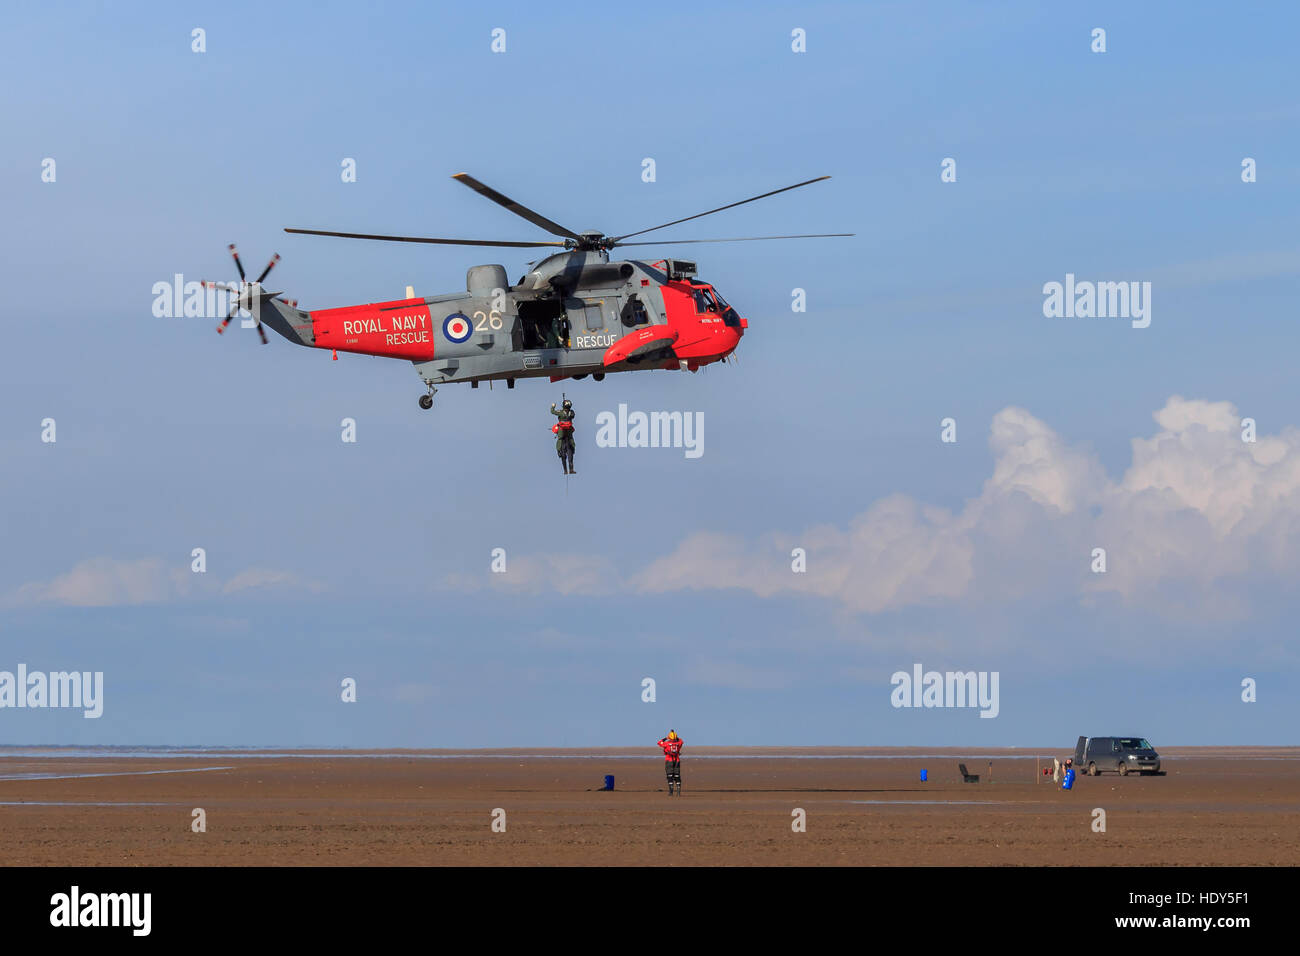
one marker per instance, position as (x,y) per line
(574,314)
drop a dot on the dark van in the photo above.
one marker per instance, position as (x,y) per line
(1121,755)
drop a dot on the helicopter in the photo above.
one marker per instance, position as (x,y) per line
(574,314)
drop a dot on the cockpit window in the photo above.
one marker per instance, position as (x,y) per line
(729,316)
(704,302)
(707,301)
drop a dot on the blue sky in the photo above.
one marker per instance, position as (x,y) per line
(371,560)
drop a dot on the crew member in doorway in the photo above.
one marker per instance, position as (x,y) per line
(564,435)
(557,332)
(672,747)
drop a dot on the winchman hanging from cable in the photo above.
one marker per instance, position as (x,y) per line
(564,435)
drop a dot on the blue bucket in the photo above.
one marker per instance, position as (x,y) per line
(923,775)
(609,781)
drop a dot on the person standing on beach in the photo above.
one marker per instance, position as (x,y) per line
(672,748)
(1068,782)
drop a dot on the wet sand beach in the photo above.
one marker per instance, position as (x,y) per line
(1215,806)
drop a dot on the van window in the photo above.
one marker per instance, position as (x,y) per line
(1134,743)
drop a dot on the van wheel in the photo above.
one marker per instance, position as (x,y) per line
(1092,770)
(1123,770)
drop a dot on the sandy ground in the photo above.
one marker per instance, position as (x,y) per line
(863,807)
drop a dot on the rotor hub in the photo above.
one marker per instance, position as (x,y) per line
(590,240)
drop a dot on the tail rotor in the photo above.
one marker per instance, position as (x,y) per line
(247,295)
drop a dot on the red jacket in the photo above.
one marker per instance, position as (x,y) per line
(672,748)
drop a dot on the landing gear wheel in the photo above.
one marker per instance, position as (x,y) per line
(426,402)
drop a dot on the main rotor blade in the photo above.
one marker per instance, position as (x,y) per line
(742,202)
(673,242)
(441,242)
(554,228)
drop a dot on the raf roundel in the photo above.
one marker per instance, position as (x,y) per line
(456,327)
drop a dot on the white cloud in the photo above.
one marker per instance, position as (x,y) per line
(1032,459)
(581,574)
(1197,506)
(107,582)
(112,582)
(267,578)
(896,552)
